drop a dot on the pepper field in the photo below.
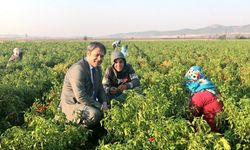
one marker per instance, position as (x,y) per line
(154,117)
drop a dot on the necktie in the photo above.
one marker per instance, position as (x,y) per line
(94,82)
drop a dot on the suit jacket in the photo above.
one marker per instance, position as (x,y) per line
(78,87)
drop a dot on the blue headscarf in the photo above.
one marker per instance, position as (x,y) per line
(195,81)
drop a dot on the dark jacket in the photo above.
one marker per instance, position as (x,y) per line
(114,79)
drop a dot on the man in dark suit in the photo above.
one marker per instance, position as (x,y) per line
(83,97)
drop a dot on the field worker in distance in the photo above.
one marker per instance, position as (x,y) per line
(204,100)
(83,97)
(17,54)
(124,50)
(116,44)
(118,77)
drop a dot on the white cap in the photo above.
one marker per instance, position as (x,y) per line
(17,51)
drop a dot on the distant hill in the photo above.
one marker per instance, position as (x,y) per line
(213,31)
(11,36)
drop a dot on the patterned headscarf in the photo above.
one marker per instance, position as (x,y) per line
(195,81)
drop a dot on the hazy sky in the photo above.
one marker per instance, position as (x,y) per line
(103,17)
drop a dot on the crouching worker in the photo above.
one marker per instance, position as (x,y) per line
(116,44)
(118,77)
(204,100)
(124,50)
(83,97)
(17,55)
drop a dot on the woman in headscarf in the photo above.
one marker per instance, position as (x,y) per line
(204,96)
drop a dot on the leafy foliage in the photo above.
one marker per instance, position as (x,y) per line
(153,117)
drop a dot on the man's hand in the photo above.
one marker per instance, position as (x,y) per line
(113,90)
(122,87)
(104,106)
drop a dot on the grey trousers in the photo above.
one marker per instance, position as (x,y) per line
(81,114)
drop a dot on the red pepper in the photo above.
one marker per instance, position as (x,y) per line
(151,139)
